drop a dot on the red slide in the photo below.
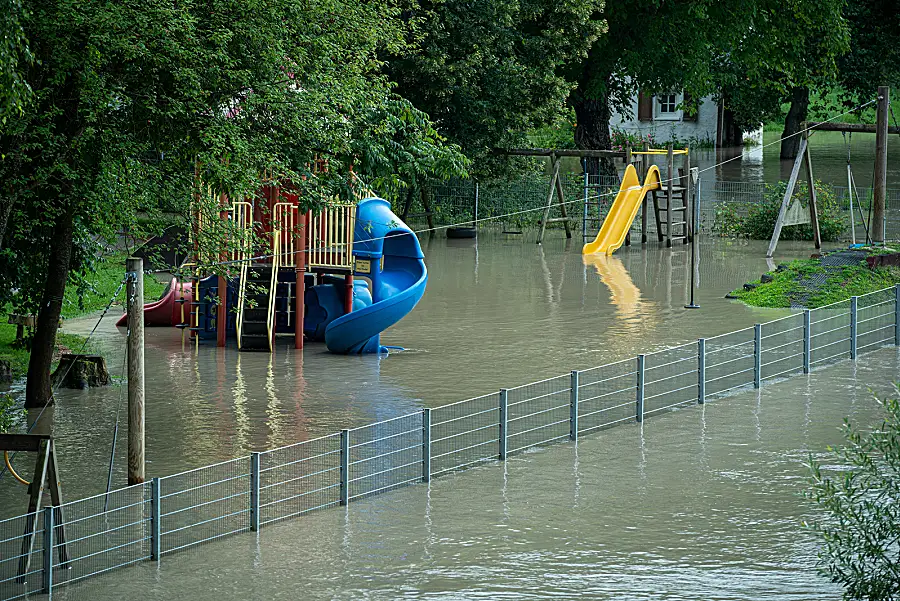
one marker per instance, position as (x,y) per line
(167,311)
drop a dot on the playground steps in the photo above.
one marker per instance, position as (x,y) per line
(677,229)
(255,334)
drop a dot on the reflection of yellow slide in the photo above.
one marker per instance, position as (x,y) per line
(623,293)
(622,213)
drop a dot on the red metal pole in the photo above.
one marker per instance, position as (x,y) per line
(348,293)
(222,313)
(300,287)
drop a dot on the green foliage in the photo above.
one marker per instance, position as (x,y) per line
(758,222)
(874,56)
(619,138)
(14,57)
(92,291)
(860,501)
(11,413)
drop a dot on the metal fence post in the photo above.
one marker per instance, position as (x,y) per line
(49,527)
(345,466)
(897,315)
(701,371)
(854,302)
(639,397)
(426,444)
(254,492)
(154,519)
(807,339)
(757,355)
(503,423)
(573,407)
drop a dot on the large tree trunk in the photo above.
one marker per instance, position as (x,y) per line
(592,133)
(5,209)
(790,143)
(38,390)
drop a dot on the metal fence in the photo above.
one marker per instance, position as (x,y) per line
(519,202)
(143,522)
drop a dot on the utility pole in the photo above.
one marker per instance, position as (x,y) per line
(880,184)
(135,298)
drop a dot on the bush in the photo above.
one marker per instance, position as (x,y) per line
(759,221)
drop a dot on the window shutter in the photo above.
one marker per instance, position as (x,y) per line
(691,108)
(645,107)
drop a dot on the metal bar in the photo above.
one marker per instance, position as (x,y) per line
(639,396)
(807,339)
(345,466)
(757,354)
(573,407)
(426,444)
(47,581)
(254,492)
(503,423)
(897,315)
(155,519)
(854,303)
(701,371)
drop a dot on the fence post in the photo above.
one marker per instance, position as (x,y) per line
(49,527)
(573,407)
(639,397)
(503,423)
(345,466)
(154,519)
(854,302)
(254,492)
(897,314)
(701,371)
(807,339)
(426,444)
(757,355)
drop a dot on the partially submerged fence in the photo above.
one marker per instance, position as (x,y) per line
(146,521)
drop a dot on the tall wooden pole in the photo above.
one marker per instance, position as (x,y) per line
(135,299)
(880,183)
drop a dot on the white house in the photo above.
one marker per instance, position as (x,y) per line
(662,116)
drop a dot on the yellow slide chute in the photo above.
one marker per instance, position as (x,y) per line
(623,211)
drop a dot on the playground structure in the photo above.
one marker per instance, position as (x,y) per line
(300,280)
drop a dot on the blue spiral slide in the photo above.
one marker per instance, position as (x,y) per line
(389,254)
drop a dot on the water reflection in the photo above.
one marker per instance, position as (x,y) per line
(623,293)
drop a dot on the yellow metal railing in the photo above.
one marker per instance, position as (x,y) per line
(329,236)
(284,233)
(242,220)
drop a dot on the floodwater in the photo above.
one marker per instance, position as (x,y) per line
(699,503)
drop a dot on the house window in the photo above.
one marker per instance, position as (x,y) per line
(667,106)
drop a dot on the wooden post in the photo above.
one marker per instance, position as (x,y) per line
(135,344)
(880,184)
(555,165)
(300,287)
(686,184)
(562,206)
(813,205)
(670,175)
(786,201)
(645,159)
(628,162)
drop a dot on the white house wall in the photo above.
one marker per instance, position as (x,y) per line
(664,130)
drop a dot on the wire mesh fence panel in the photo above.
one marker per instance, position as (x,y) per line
(538,413)
(670,378)
(104,532)
(299,478)
(204,504)
(606,395)
(385,455)
(465,433)
(830,333)
(20,562)
(452,201)
(729,362)
(875,320)
(781,346)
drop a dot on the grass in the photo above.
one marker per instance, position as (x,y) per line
(823,105)
(100,287)
(787,287)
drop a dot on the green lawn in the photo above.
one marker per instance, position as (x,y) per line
(102,285)
(822,106)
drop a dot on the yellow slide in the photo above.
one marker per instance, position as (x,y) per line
(622,213)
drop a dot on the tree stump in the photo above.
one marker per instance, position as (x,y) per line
(81,371)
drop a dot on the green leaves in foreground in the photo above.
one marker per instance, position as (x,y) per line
(860,528)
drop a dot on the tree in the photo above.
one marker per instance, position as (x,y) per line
(487,70)
(860,529)
(874,56)
(148,92)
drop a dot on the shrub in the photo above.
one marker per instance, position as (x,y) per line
(759,221)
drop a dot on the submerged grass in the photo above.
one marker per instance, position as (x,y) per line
(808,283)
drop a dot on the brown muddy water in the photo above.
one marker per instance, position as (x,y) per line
(702,503)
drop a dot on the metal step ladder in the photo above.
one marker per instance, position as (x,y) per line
(255,305)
